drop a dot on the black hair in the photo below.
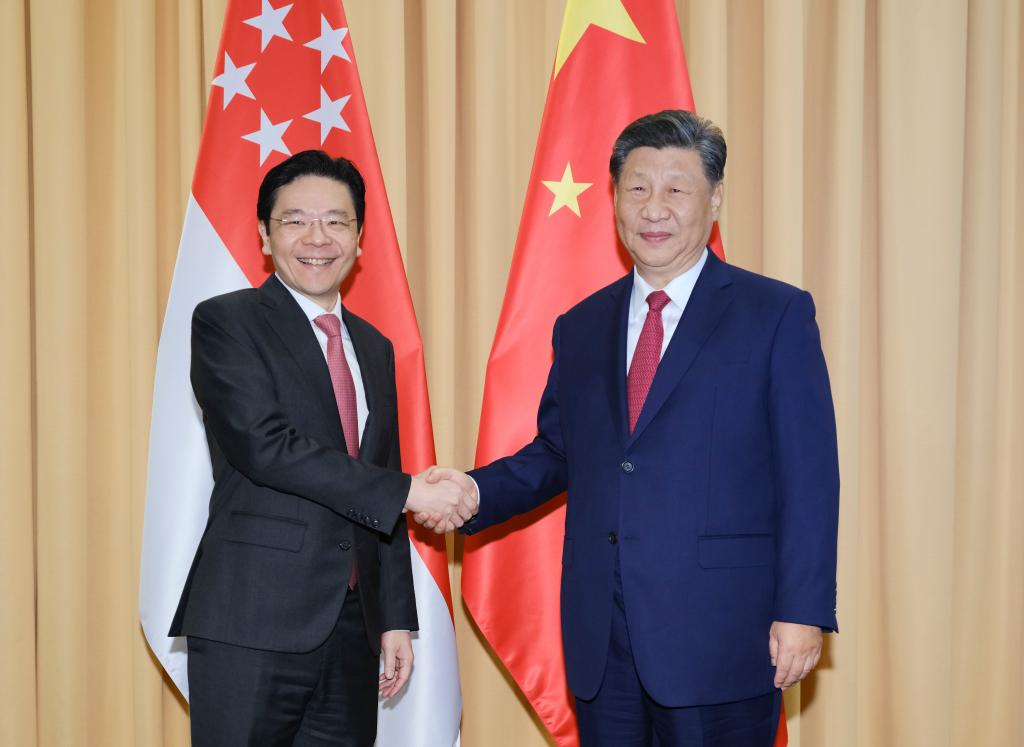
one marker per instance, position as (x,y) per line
(310,163)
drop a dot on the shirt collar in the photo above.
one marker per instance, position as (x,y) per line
(678,289)
(311,308)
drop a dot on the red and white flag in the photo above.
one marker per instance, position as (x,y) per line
(617,60)
(286,81)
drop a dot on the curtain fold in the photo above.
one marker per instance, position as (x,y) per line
(876,159)
(17,529)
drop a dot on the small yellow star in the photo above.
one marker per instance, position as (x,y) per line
(581,14)
(566,192)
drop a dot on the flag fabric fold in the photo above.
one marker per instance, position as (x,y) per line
(616,61)
(285,81)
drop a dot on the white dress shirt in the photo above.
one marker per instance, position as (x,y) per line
(678,291)
(312,310)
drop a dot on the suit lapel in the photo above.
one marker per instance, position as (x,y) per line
(710,298)
(292,326)
(619,312)
(372,373)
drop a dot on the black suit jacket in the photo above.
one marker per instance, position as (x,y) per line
(290,510)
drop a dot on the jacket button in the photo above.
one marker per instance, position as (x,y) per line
(345,545)
(612,538)
(627,467)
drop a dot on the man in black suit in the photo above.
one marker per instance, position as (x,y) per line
(302,579)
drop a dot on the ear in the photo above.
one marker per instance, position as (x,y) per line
(265,237)
(359,243)
(717,194)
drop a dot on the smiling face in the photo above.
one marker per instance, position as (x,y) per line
(314,260)
(664,210)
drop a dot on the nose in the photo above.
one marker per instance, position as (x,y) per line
(654,208)
(316,233)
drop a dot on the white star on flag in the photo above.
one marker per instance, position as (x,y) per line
(329,43)
(270,22)
(232,80)
(329,114)
(269,137)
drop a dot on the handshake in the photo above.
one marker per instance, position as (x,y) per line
(442,499)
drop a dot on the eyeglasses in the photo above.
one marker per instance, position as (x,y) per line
(331,224)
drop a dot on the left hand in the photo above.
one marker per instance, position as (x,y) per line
(396,650)
(795,650)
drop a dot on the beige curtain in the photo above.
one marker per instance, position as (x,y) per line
(876,158)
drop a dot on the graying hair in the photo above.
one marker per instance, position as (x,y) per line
(673,128)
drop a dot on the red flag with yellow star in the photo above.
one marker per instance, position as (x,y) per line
(616,61)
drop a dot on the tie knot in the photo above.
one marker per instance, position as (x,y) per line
(657,300)
(329,324)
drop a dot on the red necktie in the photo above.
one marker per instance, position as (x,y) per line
(344,391)
(646,356)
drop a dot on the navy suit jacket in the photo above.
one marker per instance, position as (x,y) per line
(722,505)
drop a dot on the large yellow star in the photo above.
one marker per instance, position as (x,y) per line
(581,14)
(567,192)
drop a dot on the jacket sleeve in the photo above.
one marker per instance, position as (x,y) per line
(398,600)
(534,474)
(806,467)
(242,412)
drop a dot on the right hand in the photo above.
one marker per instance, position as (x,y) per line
(464,481)
(440,504)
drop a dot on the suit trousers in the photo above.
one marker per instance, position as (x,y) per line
(328,696)
(622,714)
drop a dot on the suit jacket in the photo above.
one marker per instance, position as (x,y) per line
(722,505)
(290,510)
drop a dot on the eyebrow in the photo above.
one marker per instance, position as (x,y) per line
(328,213)
(647,175)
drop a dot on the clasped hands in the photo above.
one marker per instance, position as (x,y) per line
(442,499)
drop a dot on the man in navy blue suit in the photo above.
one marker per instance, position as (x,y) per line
(698,450)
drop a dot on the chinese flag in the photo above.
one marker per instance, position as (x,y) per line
(616,61)
(286,80)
